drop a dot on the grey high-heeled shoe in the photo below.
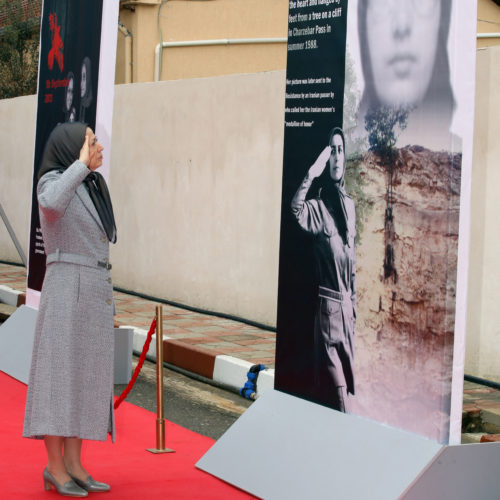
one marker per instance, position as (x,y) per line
(91,484)
(69,488)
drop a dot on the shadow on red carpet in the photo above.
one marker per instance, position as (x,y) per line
(131,470)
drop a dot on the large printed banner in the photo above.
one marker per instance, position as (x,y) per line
(376,175)
(75,83)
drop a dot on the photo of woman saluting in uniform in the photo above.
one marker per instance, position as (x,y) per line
(331,219)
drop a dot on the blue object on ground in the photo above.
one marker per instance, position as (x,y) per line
(249,390)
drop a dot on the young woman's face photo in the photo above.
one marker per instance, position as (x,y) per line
(83,82)
(336,161)
(69,93)
(402,39)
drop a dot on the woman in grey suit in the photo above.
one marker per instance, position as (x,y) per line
(331,219)
(70,387)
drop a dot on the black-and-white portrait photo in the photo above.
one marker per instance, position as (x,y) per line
(69,104)
(85,88)
(330,217)
(403,48)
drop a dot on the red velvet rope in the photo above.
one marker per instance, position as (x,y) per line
(142,357)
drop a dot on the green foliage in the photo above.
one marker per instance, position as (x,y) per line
(382,125)
(18,52)
(355,183)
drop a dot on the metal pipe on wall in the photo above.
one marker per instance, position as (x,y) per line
(199,43)
(128,51)
(488,35)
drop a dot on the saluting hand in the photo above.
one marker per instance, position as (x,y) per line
(319,165)
(85,152)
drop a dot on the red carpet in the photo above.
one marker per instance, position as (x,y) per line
(132,472)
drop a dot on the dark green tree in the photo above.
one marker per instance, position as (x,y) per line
(383,125)
(19,42)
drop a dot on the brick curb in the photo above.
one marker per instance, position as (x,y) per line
(221,369)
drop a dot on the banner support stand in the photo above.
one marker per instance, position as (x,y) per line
(13,235)
(348,457)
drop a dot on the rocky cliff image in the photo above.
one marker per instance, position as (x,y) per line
(406,277)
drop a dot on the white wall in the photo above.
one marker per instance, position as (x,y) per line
(483,321)
(195,182)
(17,139)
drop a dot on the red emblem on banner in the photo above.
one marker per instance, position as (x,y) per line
(56,51)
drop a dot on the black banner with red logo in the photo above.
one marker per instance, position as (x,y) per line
(67,90)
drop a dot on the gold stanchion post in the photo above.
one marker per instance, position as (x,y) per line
(160,420)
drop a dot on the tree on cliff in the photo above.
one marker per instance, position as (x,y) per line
(18,50)
(383,125)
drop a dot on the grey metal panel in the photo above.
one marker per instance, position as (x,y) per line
(124,343)
(464,472)
(283,447)
(16,343)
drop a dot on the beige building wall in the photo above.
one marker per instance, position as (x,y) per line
(149,22)
(185,20)
(488,22)
(145,23)
(483,325)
